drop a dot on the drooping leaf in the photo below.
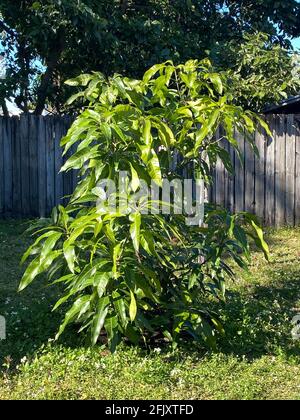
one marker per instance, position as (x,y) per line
(135,181)
(132,307)
(135,230)
(99,319)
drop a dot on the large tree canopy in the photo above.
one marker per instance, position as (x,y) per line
(46,42)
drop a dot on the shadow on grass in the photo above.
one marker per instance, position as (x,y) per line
(259,322)
(257,318)
(30,322)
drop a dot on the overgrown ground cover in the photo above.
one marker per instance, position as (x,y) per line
(257,360)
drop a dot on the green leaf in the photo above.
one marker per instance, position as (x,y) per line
(111,327)
(152,72)
(79,304)
(32,271)
(37,267)
(135,230)
(116,255)
(217,82)
(135,181)
(207,128)
(70,256)
(260,241)
(78,159)
(99,319)
(61,301)
(101,281)
(154,169)
(120,306)
(33,249)
(147,132)
(164,131)
(265,126)
(82,80)
(74,98)
(132,307)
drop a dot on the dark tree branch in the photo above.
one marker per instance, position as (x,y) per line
(7,29)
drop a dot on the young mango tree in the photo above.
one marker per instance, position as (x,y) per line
(126,271)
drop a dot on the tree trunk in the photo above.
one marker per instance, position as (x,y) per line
(43,89)
(48,76)
(4,108)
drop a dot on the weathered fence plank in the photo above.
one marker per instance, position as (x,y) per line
(239,188)
(8,164)
(24,168)
(220,179)
(16,153)
(260,177)
(249,177)
(270,175)
(297,173)
(50,155)
(290,170)
(58,161)
(33,166)
(42,167)
(280,173)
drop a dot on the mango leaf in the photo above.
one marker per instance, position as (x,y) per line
(81,80)
(111,327)
(265,126)
(37,267)
(120,306)
(260,241)
(101,281)
(33,249)
(99,319)
(207,128)
(116,255)
(147,136)
(132,307)
(152,72)
(154,169)
(70,256)
(135,181)
(135,230)
(217,82)
(73,312)
(74,98)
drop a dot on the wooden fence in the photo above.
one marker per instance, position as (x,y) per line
(30,161)
(269,186)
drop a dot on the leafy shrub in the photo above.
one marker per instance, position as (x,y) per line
(132,274)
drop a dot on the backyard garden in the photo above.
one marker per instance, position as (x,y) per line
(257,360)
(149,200)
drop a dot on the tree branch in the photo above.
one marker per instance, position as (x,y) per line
(7,29)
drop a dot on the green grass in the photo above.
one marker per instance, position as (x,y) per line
(256,360)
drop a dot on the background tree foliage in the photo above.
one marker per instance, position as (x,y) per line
(69,37)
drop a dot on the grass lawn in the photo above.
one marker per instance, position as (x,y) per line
(257,360)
